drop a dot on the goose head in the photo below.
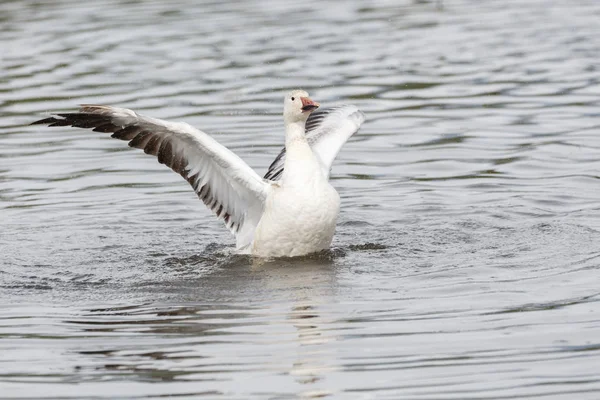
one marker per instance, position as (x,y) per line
(297,106)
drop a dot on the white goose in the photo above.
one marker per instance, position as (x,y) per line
(291,212)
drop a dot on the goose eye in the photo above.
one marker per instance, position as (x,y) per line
(293,99)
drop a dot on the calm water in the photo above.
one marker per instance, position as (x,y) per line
(466,263)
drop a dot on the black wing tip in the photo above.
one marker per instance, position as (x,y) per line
(44,121)
(83,109)
(85,118)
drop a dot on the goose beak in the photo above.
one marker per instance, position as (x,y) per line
(308,105)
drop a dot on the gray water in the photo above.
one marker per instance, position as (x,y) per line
(466,263)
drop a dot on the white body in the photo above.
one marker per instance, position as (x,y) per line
(300,212)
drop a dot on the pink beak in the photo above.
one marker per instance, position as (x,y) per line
(308,104)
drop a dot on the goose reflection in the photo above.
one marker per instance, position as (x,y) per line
(310,284)
(224,322)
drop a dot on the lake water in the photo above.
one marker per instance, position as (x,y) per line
(466,263)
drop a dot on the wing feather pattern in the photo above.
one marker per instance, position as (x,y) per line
(225,183)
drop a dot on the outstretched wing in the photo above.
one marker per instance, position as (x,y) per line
(326,132)
(225,183)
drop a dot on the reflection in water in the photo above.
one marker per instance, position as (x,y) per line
(314,358)
(193,330)
(311,284)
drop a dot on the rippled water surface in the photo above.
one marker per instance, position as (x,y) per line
(466,260)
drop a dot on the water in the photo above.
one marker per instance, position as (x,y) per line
(466,260)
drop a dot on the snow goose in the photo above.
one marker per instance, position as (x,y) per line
(292,211)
